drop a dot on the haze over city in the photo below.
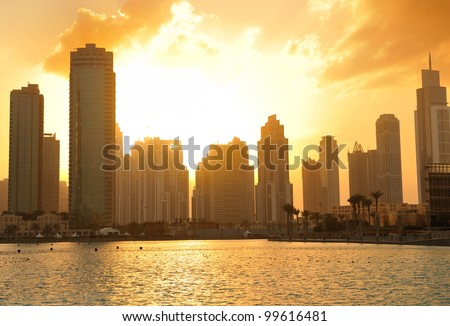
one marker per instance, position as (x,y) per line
(211,70)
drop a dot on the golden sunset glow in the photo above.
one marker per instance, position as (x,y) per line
(216,69)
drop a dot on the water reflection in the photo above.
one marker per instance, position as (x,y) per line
(246,272)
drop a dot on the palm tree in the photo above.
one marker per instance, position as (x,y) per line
(317,217)
(367,202)
(289,209)
(296,213)
(353,200)
(377,194)
(305,214)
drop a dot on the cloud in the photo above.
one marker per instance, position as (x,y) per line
(136,18)
(388,37)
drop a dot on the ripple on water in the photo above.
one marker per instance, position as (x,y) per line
(242,272)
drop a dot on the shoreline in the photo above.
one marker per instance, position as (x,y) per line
(439,242)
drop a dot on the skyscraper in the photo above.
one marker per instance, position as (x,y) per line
(50,174)
(156,189)
(312,186)
(273,190)
(224,190)
(329,175)
(92,126)
(26,130)
(389,158)
(432,121)
(362,171)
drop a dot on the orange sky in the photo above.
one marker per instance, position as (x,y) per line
(217,69)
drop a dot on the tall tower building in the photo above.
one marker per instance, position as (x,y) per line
(26,130)
(273,190)
(362,170)
(92,126)
(389,158)
(329,175)
(156,189)
(432,121)
(224,189)
(50,174)
(312,186)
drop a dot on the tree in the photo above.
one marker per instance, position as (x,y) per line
(305,214)
(48,230)
(377,194)
(317,217)
(367,202)
(35,228)
(289,209)
(296,213)
(11,230)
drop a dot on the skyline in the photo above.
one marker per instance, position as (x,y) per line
(261,54)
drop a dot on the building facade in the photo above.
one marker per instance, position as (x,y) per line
(362,171)
(224,186)
(154,183)
(312,186)
(3,195)
(329,176)
(438,194)
(91,127)
(432,127)
(389,158)
(274,189)
(50,174)
(25,149)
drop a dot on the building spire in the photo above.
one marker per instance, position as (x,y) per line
(429,60)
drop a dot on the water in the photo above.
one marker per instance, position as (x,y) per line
(237,272)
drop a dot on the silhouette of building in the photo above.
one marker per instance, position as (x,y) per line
(3,195)
(438,194)
(122,181)
(389,158)
(432,122)
(156,189)
(362,171)
(273,190)
(63,197)
(329,175)
(92,126)
(312,186)
(224,188)
(25,149)
(50,174)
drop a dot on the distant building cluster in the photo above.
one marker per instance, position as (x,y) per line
(152,184)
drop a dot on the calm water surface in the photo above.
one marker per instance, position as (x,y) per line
(240,272)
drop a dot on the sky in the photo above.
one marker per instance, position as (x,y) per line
(215,69)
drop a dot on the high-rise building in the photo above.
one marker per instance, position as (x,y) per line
(273,190)
(92,126)
(312,186)
(362,171)
(3,195)
(329,175)
(432,121)
(224,187)
(438,194)
(50,174)
(63,197)
(26,130)
(389,158)
(156,187)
